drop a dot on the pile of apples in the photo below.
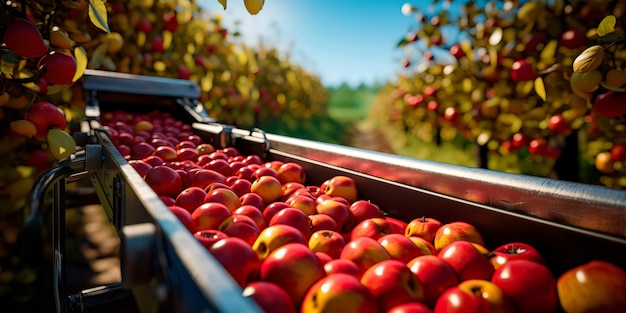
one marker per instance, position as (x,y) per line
(295,247)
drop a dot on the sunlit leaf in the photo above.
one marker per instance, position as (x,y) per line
(607,26)
(81,62)
(540,88)
(98,14)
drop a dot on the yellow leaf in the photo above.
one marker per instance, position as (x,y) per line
(81,62)
(98,14)
(223,3)
(540,88)
(607,26)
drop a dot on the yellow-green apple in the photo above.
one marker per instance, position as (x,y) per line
(398,225)
(363,209)
(454,231)
(272,208)
(339,292)
(292,217)
(327,241)
(468,260)
(210,215)
(425,227)
(291,172)
(237,258)
(530,285)
(435,275)
(190,198)
(224,196)
(254,213)
(322,222)
(268,187)
(164,181)
(342,266)
(400,247)
(294,267)
(240,186)
(364,252)
(253,199)
(474,295)
(184,217)
(339,212)
(392,283)
(291,187)
(208,237)
(373,228)
(240,226)
(274,237)
(269,296)
(424,246)
(514,251)
(302,203)
(410,307)
(202,178)
(596,286)
(341,186)
(166,153)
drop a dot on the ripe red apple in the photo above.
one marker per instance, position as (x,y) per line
(210,215)
(303,203)
(400,247)
(268,187)
(291,187)
(224,196)
(219,165)
(339,211)
(424,227)
(398,225)
(474,296)
(514,251)
(252,199)
(522,70)
(240,186)
(294,267)
(269,296)
(140,166)
(341,186)
(424,246)
(237,258)
(274,237)
(558,124)
(252,212)
(596,286)
(363,209)
(203,177)
(468,260)
(323,258)
(454,231)
(22,37)
(292,217)
(339,292)
(190,198)
(392,283)
(240,226)
(164,181)
(319,222)
(456,51)
(45,115)
(373,228)
(166,153)
(59,67)
(364,252)
(184,217)
(271,209)
(342,266)
(573,38)
(435,275)
(291,172)
(530,285)
(208,237)
(327,241)
(410,307)
(264,171)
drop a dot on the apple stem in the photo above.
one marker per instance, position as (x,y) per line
(423,219)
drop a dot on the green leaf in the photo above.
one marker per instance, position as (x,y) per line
(540,88)
(98,14)
(402,43)
(81,62)
(607,26)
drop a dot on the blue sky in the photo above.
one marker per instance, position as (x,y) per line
(349,41)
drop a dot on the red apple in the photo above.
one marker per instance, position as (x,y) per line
(269,296)
(339,293)
(274,237)
(596,286)
(254,213)
(291,187)
(303,203)
(342,266)
(252,199)
(184,217)
(323,258)
(203,177)
(341,186)
(190,198)
(271,209)
(409,307)
(327,241)
(474,296)
(237,258)
(392,283)
(268,187)
(398,225)
(454,231)
(400,247)
(522,70)
(240,186)
(468,260)
(164,181)
(291,172)
(514,251)
(339,211)
(210,215)
(45,115)
(424,227)
(292,217)
(294,267)
(322,222)
(435,275)
(240,226)
(140,166)
(166,153)
(141,150)
(364,252)
(363,209)
(208,237)
(424,246)
(530,285)
(264,171)
(373,228)
(224,196)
